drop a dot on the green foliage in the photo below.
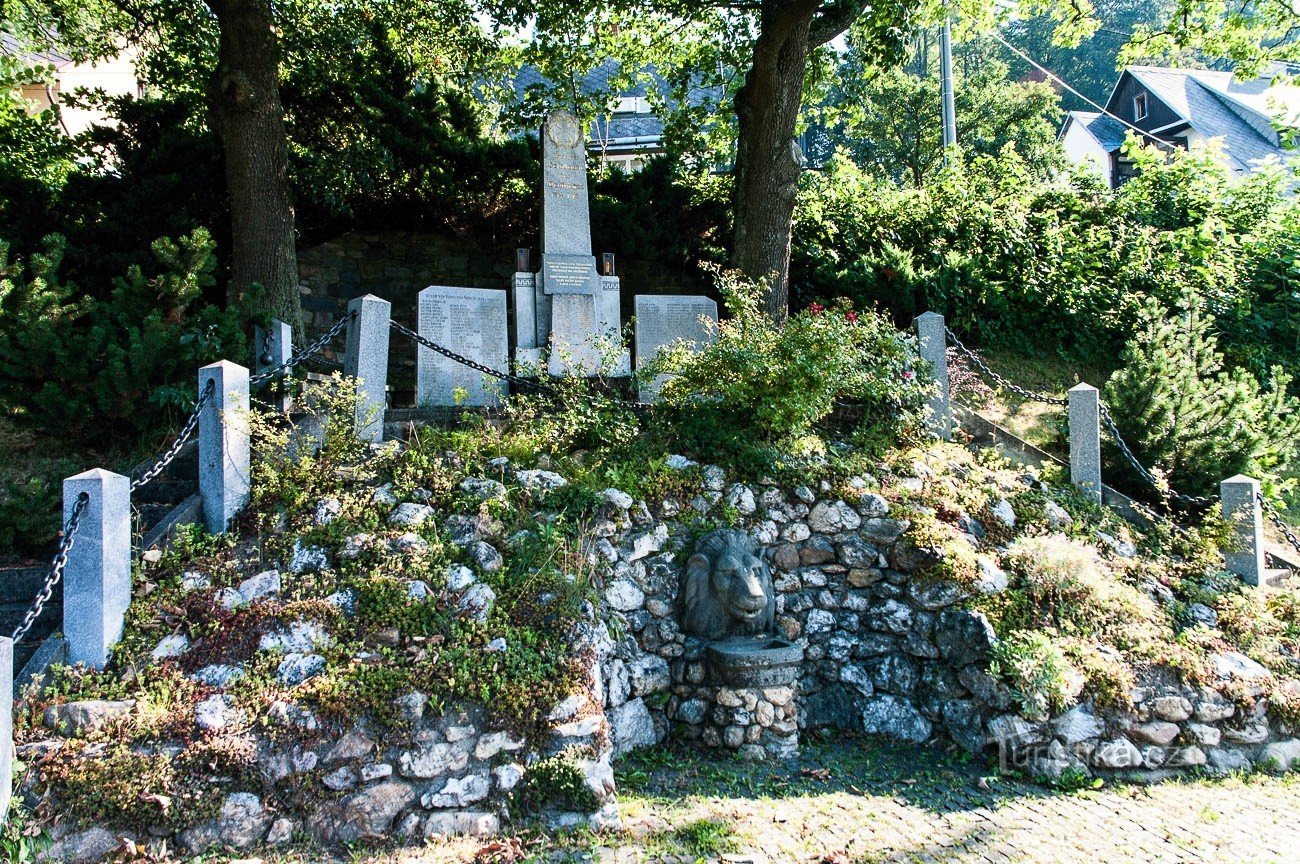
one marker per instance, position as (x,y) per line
(1188,416)
(20,841)
(1062,268)
(556,782)
(1043,681)
(889,119)
(759,384)
(85,367)
(1064,585)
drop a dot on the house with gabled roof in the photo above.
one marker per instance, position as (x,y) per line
(1187,108)
(115,76)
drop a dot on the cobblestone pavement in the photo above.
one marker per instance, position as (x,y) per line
(854,801)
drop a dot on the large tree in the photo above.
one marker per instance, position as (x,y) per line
(237,53)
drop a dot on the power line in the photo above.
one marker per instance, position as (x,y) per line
(1059,80)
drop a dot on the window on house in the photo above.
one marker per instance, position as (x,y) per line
(1140,106)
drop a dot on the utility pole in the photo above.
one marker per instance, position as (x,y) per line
(945,84)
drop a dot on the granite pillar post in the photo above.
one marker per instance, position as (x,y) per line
(1085,440)
(224,451)
(1241,507)
(97,581)
(933,339)
(367,361)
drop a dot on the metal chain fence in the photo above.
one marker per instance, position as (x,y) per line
(56,567)
(1276,518)
(1106,418)
(184,435)
(517,380)
(307,353)
(978,363)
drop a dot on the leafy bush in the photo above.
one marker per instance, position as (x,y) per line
(85,367)
(1042,680)
(1190,418)
(763,385)
(1063,584)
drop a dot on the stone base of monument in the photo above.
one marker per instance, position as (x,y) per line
(739,694)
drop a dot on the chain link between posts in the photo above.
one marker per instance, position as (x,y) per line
(307,353)
(56,567)
(1106,419)
(1276,518)
(978,363)
(181,437)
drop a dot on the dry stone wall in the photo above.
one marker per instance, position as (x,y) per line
(889,647)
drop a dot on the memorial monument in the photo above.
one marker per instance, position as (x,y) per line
(571,308)
(566,316)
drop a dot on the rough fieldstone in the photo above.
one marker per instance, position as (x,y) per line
(1186,757)
(1228,760)
(459,792)
(819,621)
(297,668)
(243,820)
(507,777)
(306,559)
(80,718)
(1014,732)
(648,674)
(486,556)
(1157,732)
(833,517)
(872,506)
(432,760)
(963,636)
(1116,754)
(354,745)
(492,743)
(83,847)
(171,646)
(469,823)
(883,531)
(281,833)
(477,602)
(482,488)
(889,715)
(631,726)
(300,636)
(461,530)
(646,543)
(741,497)
(892,673)
(218,675)
(264,584)
(984,687)
(217,712)
(1078,724)
(937,594)
(1281,755)
(891,616)
(1173,708)
(535,480)
(366,814)
(1204,734)
(992,578)
(624,595)
(1231,665)
(410,515)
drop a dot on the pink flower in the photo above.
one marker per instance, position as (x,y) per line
(851,317)
(816,308)
(909,375)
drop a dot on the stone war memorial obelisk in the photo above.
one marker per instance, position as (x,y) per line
(568,306)
(566,315)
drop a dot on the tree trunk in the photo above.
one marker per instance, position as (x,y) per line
(768,160)
(248,117)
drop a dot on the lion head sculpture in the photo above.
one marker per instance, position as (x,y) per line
(727,587)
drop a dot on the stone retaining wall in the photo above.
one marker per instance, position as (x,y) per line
(889,649)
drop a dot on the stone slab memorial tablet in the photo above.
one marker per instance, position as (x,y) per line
(661,320)
(566,219)
(471,322)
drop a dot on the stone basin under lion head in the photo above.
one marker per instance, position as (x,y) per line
(727,587)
